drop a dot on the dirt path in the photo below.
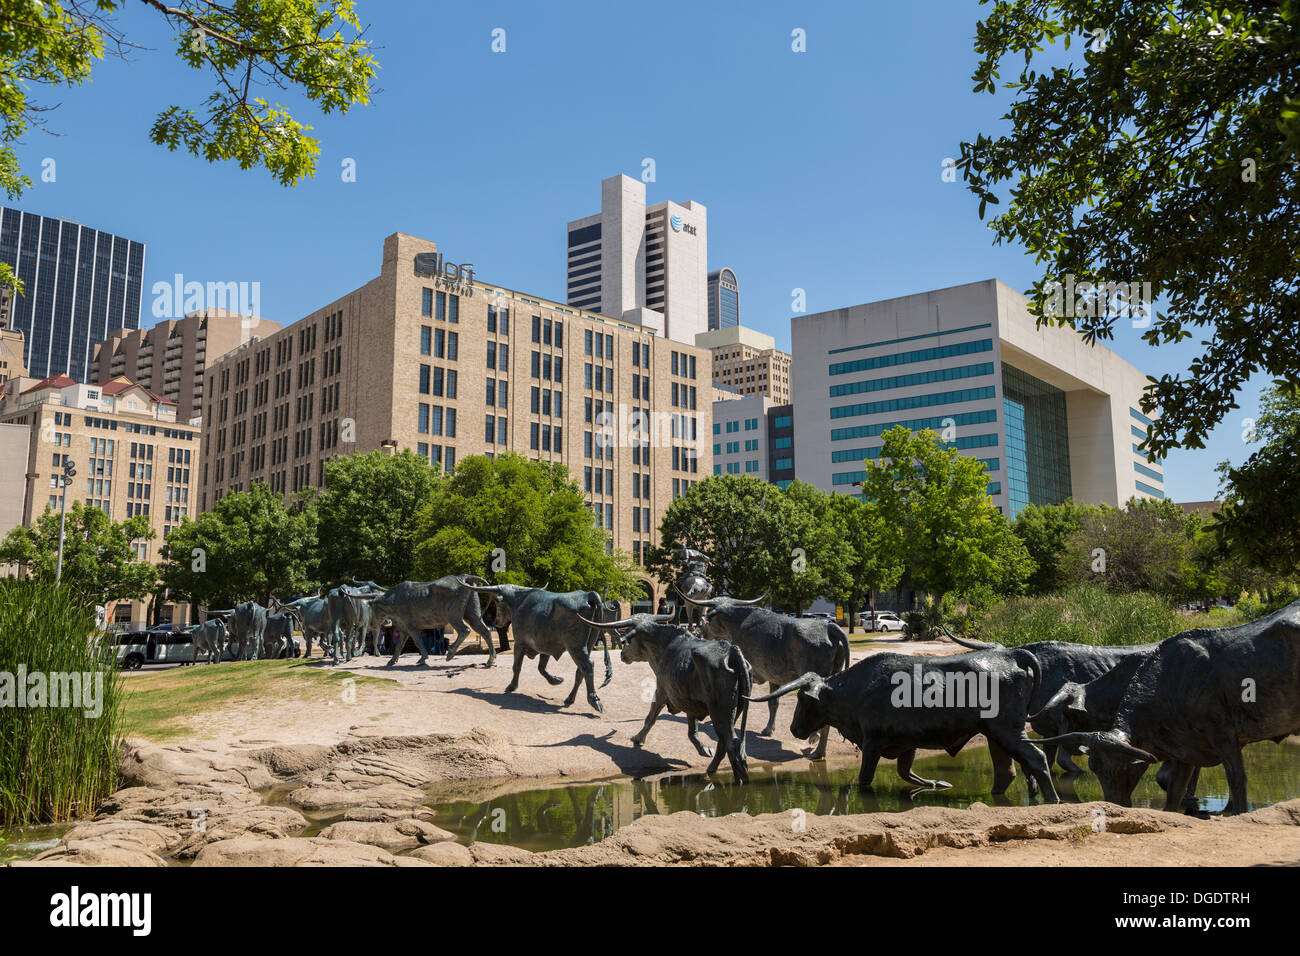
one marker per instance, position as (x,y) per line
(544,737)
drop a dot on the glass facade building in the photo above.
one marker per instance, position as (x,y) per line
(79,284)
(1037,441)
(724,299)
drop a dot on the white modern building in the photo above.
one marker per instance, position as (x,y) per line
(740,436)
(642,264)
(1051,416)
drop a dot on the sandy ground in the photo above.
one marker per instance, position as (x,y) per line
(548,739)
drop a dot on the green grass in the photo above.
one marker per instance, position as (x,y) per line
(163,706)
(1087,615)
(56,762)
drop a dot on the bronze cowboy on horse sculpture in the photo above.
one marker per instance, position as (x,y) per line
(693,583)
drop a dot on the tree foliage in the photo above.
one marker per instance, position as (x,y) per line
(366,519)
(246,548)
(1147,545)
(874,561)
(100,564)
(952,537)
(1259,522)
(515,521)
(1163,148)
(1044,529)
(246,48)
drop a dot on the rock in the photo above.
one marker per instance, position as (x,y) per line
(500,853)
(294,760)
(298,851)
(332,795)
(112,843)
(388,814)
(444,854)
(1285,814)
(153,765)
(399,835)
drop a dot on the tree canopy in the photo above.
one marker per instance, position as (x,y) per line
(1163,148)
(100,564)
(515,521)
(1259,522)
(952,537)
(249,546)
(366,519)
(247,49)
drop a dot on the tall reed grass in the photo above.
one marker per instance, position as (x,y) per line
(56,763)
(1083,615)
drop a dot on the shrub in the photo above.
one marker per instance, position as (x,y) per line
(56,763)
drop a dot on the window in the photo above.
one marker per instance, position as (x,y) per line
(426,302)
(537,328)
(425,333)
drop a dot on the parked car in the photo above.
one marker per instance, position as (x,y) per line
(819,615)
(885,621)
(159,645)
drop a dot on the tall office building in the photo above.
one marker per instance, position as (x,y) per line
(427,357)
(171,357)
(79,284)
(748,361)
(642,264)
(724,299)
(1050,416)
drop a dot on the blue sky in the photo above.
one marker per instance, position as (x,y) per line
(820,170)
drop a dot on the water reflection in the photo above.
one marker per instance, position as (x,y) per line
(548,819)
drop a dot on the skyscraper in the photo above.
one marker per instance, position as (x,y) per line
(641,264)
(724,299)
(79,284)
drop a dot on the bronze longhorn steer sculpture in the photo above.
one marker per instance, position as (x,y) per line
(546,625)
(699,678)
(778,648)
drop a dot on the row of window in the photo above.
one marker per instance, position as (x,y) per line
(905,358)
(912,401)
(916,378)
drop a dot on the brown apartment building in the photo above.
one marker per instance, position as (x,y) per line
(171,357)
(427,357)
(131,455)
(748,362)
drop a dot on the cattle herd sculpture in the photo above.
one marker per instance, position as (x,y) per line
(1193,700)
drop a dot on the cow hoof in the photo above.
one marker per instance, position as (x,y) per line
(637,743)
(450,655)
(595,702)
(512,688)
(492,662)
(553,681)
(705,751)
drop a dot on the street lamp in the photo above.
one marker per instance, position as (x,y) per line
(69,472)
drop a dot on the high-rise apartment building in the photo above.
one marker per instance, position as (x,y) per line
(724,299)
(748,361)
(428,357)
(642,264)
(1050,416)
(171,357)
(79,284)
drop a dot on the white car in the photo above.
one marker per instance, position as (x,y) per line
(885,621)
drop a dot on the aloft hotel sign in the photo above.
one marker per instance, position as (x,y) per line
(450,275)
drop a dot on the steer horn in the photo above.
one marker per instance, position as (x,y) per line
(489,589)
(807,680)
(711,602)
(1103,741)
